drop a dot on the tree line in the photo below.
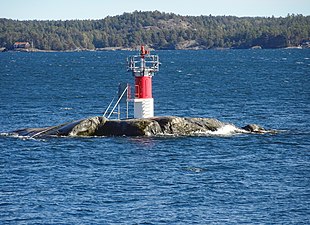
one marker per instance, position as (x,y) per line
(158,30)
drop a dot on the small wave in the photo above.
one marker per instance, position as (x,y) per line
(229,129)
(226,130)
(14,135)
(194,169)
(66,108)
(21,137)
(4,134)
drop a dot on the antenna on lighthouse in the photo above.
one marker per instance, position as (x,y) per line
(143,68)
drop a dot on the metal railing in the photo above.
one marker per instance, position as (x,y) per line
(106,112)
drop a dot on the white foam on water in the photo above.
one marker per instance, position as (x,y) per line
(226,130)
(21,137)
(66,108)
(4,134)
(229,129)
(14,135)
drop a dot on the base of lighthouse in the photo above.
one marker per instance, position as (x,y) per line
(143,107)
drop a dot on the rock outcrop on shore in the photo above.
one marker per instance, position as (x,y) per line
(156,126)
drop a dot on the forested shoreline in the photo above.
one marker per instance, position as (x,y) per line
(158,30)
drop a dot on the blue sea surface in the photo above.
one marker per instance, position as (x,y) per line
(210,179)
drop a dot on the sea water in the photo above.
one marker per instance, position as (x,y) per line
(218,178)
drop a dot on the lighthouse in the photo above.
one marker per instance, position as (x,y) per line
(143,68)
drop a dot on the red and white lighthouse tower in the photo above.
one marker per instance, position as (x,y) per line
(143,68)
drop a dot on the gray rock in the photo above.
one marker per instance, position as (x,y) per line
(130,127)
(87,127)
(100,126)
(157,126)
(254,128)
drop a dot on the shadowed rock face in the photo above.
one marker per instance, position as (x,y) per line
(157,126)
(254,128)
(100,126)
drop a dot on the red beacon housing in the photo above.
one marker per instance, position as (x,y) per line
(143,68)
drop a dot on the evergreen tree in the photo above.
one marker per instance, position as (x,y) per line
(158,30)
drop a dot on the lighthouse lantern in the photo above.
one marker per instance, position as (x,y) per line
(143,68)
